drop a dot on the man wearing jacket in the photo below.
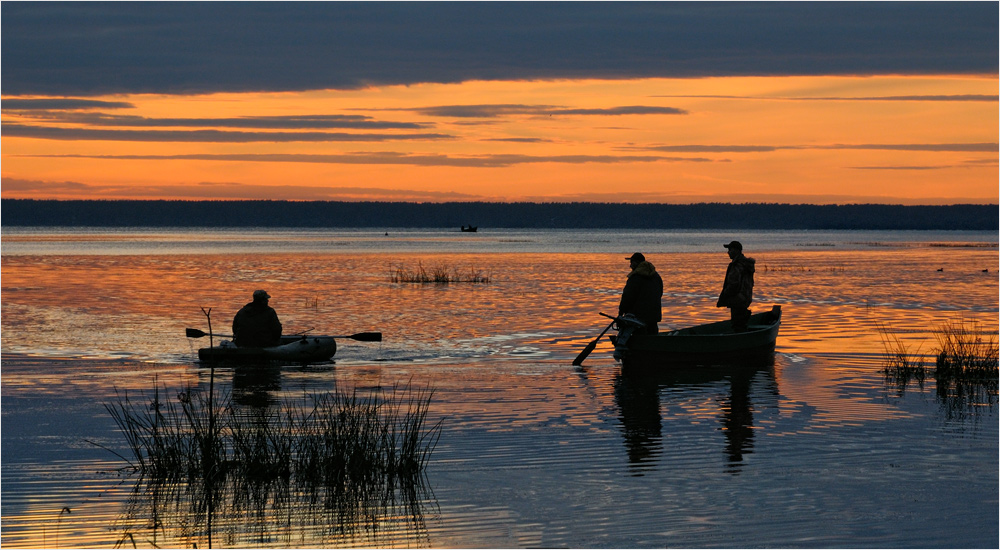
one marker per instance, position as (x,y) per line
(256,325)
(737,290)
(642,293)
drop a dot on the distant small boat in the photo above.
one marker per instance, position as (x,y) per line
(710,343)
(293,349)
(470,229)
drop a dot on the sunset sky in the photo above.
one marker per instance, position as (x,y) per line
(648,102)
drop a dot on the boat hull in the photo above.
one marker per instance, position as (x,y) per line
(714,343)
(293,349)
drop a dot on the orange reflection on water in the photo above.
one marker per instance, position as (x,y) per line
(496,354)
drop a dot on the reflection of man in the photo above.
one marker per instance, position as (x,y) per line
(642,293)
(256,325)
(737,290)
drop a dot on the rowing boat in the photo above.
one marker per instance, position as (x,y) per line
(293,349)
(712,343)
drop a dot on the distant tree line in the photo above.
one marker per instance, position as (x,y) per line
(584,215)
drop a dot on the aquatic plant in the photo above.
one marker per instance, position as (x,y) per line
(438,274)
(341,435)
(966,365)
(355,460)
(966,373)
(964,353)
(899,364)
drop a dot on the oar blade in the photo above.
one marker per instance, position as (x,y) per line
(367,337)
(194,333)
(583,354)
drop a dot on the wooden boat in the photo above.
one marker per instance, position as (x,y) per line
(293,349)
(470,229)
(713,343)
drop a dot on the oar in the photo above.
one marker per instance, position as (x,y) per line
(361,336)
(364,336)
(590,347)
(195,333)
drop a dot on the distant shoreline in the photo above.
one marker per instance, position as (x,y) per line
(577,215)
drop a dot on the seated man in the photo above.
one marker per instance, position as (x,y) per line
(256,325)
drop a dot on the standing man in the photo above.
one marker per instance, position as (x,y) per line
(256,325)
(642,293)
(737,290)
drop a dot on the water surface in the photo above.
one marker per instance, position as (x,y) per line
(812,450)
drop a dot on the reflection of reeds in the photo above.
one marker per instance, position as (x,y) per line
(438,274)
(360,457)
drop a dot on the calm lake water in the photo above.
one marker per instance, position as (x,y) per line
(813,450)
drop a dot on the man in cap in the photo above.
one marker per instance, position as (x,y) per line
(737,290)
(256,325)
(642,293)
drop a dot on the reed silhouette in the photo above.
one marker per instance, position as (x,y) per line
(965,373)
(332,467)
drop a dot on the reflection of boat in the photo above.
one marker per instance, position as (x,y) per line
(734,387)
(470,228)
(296,349)
(711,343)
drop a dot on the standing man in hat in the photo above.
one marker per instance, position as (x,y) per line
(256,325)
(642,293)
(737,290)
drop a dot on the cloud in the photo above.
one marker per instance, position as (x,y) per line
(926,147)
(263,122)
(390,158)
(23,185)
(932,147)
(90,48)
(520,140)
(915,167)
(201,136)
(17,188)
(710,148)
(55,104)
(494,111)
(954,97)
(627,110)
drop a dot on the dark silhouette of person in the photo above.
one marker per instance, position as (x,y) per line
(256,324)
(642,293)
(737,290)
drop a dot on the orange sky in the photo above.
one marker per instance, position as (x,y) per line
(893,139)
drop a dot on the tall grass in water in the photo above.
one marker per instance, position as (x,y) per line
(967,364)
(350,460)
(900,365)
(966,373)
(438,274)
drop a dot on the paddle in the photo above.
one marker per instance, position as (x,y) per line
(590,347)
(361,336)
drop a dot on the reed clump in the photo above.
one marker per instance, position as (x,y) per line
(966,373)
(963,352)
(967,363)
(339,437)
(439,274)
(899,364)
(352,461)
